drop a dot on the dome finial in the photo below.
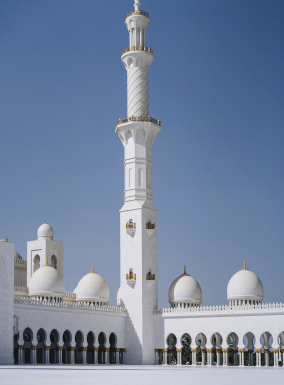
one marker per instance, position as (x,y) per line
(92,271)
(46,261)
(137,5)
(245,267)
(45,221)
(184,270)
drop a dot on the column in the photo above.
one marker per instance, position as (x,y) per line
(60,348)
(135,36)
(157,356)
(282,357)
(141,37)
(235,357)
(275,356)
(165,356)
(179,351)
(203,354)
(72,355)
(218,352)
(34,354)
(96,351)
(85,355)
(117,351)
(107,355)
(47,350)
(266,355)
(20,354)
(258,357)
(225,357)
(193,357)
(130,38)
(242,352)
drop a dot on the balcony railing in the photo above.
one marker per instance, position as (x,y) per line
(131,225)
(130,276)
(143,13)
(150,226)
(137,48)
(150,277)
(138,119)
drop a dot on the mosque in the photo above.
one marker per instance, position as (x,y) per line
(41,323)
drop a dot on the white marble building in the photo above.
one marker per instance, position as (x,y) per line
(41,323)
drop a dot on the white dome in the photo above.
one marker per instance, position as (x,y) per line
(46,282)
(186,290)
(45,231)
(92,288)
(17,256)
(245,285)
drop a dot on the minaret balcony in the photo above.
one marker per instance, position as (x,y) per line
(150,228)
(131,228)
(131,278)
(141,13)
(137,48)
(138,119)
(150,277)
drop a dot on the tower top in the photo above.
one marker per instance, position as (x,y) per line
(137,5)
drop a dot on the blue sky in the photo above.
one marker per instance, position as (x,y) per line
(217,85)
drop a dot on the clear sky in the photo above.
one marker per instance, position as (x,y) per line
(217,85)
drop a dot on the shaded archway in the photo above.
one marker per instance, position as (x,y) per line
(232,346)
(266,341)
(28,338)
(90,348)
(102,343)
(172,350)
(201,341)
(53,353)
(66,353)
(186,358)
(40,350)
(216,346)
(112,348)
(249,354)
(280,341)
(79,339)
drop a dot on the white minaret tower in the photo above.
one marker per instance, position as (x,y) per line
(138,217)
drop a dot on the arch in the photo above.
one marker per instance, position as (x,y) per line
(140,177)
(232,343)
(129,62)
(102,342)
(36,263)
(186,356)
(53,353)
(128,135)
(200,341)
(66,356)
(249,355)
(28,338)
(172,350)
(90,348)
(53,262)
(112,348)
(41,343)
(216,343)
(266,341)
(79,340)
(140,136)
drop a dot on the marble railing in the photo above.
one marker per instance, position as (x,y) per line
(21,289)
(21,261)
(137,48)
(220,308)
(67,304)
(138,119)
(143,13)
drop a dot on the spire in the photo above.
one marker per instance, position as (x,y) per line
(46,262)
(93,270)
(245,267)
(184,270)
(45,221)
(137,5)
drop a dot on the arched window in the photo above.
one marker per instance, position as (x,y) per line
(53,262)
(36,263)
(140,177)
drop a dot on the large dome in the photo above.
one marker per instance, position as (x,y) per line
(17,255)
(185,290)
(92,288)
(244,286)
(46,282)
(45,231)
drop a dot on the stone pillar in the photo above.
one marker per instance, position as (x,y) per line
(34,347)
(218,352)
(203,354)
(209,357)
(96,351)
(20,354)
(258,357)
(275,356)
(107,355)
(193,355)
(282,357)
(165,356)
(250,352)
(72,355)
(242,353)
(60,348)
(179,351)
(141,37)
(225,357)
(85,355)
(235,357)
(47,350)
(157,356)
(117,351)
(266,355)
(123,355)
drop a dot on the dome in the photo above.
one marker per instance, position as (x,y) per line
(245,286)
(17,256)
(45,231)
(92,288)
(185,290)
(46,281)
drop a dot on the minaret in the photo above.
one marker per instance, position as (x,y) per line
(138,217)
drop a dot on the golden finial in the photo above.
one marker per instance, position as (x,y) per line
(184,270)
(46,261)
(45,221)
(6,239)
(93,270)
(245,267)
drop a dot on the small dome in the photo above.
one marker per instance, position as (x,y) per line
(185,290)
(92,288)
(17,256)
(45,231)
(46,282)
(245,286)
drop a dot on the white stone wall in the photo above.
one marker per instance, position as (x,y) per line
(6,302)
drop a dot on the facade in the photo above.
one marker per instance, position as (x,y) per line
(41,323)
